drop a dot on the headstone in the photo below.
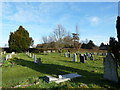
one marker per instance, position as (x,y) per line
(44,52)
(65,54)
(85,56)
(38,60)
(3,60)
(30,55)
(68,54)
(53,51)
(48,51)
(10,56)
(98,53)
(91,57)
(35,59)
(82,58)
(4,52)
(62,78)
(74,57)
(50,79)
(6,57)
(110,68)
(87,53)
(93,53)
(13,53)
(1,53)
(33,56)
(104,54)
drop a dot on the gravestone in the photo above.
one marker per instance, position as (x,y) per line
(85,56)
(65,54)
(33,56)
(4,52)
(3,60)
(45,52)
(10,56)
(35,59)
(1,53)
(93,53)
(98,53)
(91,57)
(87,53)
(68,54)
(6,57)
(38,61)
(82,58)
(74,57)
(104,54)
(110,68)
(13,53)
(50,79)
(30,55)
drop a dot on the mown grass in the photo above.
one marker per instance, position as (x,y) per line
(21,70)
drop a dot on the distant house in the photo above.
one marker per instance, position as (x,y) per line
(103,47)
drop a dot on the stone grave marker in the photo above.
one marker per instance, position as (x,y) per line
(74,57)
(68,54)
(38,61)
(82,58)
(33,56)
(4,52)
(13,53)
(6,57)
(35,59)
(98,53)
(110,68)
(87,53)
(10,56)
(3,60)
(92,53)
(30,55)
(65,54)
(91,57)
(85,56)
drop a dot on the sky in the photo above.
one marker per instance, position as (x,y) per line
(96,21)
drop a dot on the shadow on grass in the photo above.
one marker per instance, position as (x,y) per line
(53,69)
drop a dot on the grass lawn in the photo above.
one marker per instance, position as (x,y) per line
(21,71)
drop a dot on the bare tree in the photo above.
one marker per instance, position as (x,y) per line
(59,32)
(45,39)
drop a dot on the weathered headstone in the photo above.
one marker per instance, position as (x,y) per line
(6,58)
(98,53)
(110,68)
(74,57)
(68,54)
(91,57)
(65,54)
(45,52)
(93,53)
(87,53)
(82,58)
(35,59)
(10,56)
(3,60)
(13,53)
(30,55)
(4,52)
(85,56)
(33,56)
(38,61)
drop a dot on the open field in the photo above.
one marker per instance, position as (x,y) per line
(21,70)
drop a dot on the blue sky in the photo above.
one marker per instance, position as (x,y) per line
(96,20)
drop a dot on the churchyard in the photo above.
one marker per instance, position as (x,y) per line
(28,70)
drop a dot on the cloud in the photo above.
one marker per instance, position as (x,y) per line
(34,12)
(94,20)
